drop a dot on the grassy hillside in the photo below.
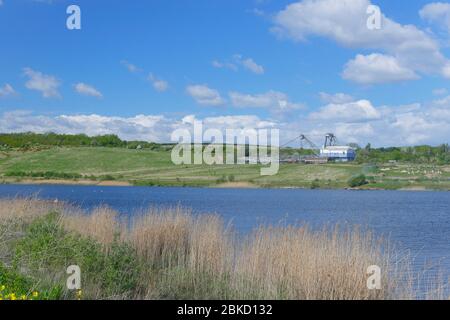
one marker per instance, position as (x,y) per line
(154,167)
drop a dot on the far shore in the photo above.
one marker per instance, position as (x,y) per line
(226,185)
(71,182)
(123,167)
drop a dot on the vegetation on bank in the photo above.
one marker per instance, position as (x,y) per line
(154,168)
(417,168)
(173,254)
(31,140)
(59,175)
(358,181)
(418,154)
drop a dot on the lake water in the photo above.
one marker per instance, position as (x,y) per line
(416,221)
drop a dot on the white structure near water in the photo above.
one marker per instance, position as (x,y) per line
(338,153)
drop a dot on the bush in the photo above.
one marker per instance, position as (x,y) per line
(22,287)
(45,175)
(358,181)
(315,184)
(107,177)
(106,272)
(222,179)
(31,140)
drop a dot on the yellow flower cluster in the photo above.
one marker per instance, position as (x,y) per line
(5,295)
(79,294)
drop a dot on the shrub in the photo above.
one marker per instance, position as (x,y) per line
(105,273)
(315,184)
(358,181)
(45,175)
(222,179)
(107,177)
(14,284)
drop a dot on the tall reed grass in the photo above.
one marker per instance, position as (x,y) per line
(183,255)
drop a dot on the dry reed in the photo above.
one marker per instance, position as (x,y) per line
(26,208)
(270,263)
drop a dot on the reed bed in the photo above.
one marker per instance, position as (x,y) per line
(27,208)
(176,254)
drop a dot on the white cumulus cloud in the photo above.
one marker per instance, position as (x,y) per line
(87,90)
(360,122)
(130,67)
(376,68)
(249,64)
(278,103)
(438,13)
(158,84)
(345,22)
(7,90)
(239,61)
(335,98)
(156,128)
(204,95)
(440,91)
(358,111)
(221,65)
(46,84)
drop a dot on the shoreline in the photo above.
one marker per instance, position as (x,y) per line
(228,185)
(70,182)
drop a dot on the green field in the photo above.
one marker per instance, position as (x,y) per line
(150,167)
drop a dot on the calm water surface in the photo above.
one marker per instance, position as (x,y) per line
(416,221)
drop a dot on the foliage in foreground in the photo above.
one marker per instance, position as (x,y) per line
(47,250)
(15,286)
(173,254)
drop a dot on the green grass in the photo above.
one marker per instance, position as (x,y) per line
(154,168)
(173,254)
(23,287)
(46,243)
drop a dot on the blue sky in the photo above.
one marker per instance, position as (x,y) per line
(143,68)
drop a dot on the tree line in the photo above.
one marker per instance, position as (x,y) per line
(417,154)
(29,139)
